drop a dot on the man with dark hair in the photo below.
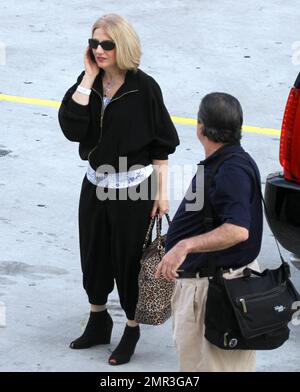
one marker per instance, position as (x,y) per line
(222,118)
(234,240)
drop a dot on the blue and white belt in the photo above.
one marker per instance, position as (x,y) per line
(119,180)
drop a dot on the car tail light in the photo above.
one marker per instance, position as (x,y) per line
(290,135)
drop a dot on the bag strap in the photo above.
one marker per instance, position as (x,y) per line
(155,219)
(210,217)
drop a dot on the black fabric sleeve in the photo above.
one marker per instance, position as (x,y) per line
(166,138)
(231,196)
(73,117)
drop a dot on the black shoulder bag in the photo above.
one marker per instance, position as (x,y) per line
(251,312)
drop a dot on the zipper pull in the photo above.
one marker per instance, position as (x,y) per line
(225,342)
(243,302)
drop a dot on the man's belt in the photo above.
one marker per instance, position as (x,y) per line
(203,272)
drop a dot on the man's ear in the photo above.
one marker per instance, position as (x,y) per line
(201,128)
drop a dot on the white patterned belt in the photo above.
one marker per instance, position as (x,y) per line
(119,180)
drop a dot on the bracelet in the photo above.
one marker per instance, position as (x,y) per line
(83,90)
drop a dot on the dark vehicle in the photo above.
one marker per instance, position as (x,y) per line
(282,192)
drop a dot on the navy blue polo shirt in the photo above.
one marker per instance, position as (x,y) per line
(235,198)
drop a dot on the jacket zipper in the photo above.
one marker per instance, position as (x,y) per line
(255,297)
(102,114)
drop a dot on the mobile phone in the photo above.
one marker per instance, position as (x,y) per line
(92,55)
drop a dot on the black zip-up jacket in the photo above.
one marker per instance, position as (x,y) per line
(135,124)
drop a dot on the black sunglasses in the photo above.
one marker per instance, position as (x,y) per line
(105,45)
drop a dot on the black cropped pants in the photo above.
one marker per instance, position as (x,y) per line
(111,234)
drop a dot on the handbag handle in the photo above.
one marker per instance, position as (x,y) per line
(148,236)
(158,230)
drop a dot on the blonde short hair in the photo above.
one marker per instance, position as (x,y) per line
(128,47)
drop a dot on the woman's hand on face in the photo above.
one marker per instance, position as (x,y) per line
(160,206)
(91,68)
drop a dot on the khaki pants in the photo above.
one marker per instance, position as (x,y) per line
(195,353)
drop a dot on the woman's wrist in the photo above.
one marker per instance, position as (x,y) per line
(87,81)
(161,195)
(81,94)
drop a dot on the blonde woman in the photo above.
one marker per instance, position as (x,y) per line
(116,111)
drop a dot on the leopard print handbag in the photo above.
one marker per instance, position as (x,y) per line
(154,301)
